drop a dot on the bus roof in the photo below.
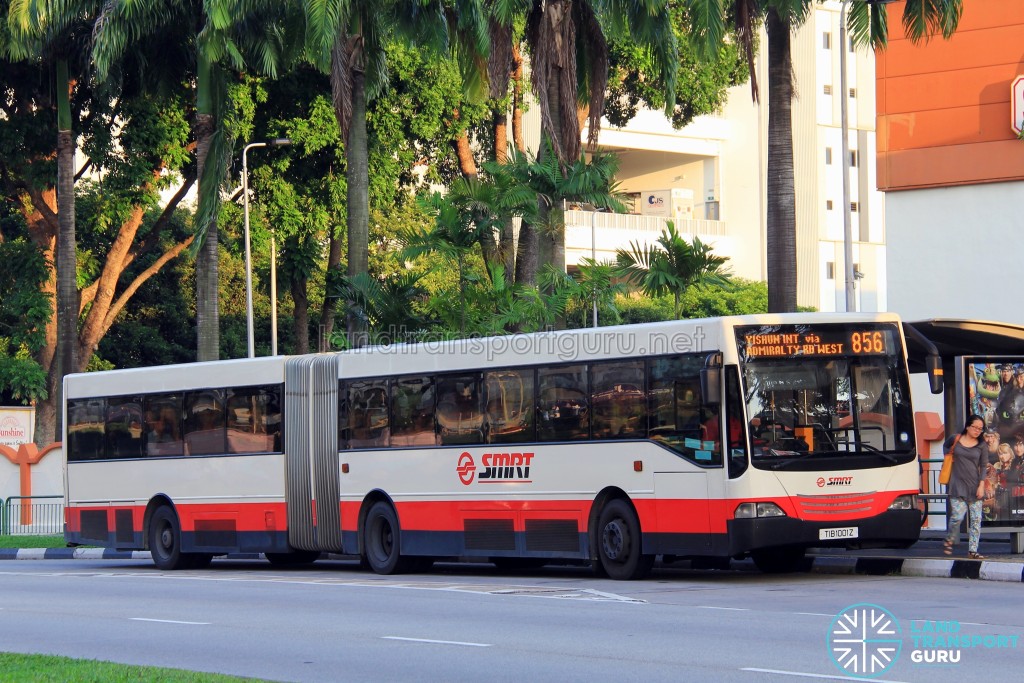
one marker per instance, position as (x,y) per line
(564,346)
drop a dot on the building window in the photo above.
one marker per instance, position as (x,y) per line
(827,89)
(830,270)
(826,40)
(853,158)
(853,93)
(828,204)
(853,206)
(828,156)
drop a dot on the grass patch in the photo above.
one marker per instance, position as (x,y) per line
(32,542)
(15,668)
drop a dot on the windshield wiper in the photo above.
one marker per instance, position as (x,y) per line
(793,456)
(878,451)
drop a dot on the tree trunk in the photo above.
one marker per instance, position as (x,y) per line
(781,225)
(518,137)
(330,302)
(526,256)
(357,156)
(67,281)
(464,154)
(207,265)
(500,136)
(300,319)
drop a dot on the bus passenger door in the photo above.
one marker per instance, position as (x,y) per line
(683,513)
(312,487)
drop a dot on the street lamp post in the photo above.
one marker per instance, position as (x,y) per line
(851,283)
(276,142)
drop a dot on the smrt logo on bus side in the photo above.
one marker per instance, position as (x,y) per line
(834,481)
(496,467)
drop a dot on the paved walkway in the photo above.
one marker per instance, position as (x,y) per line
(925,558)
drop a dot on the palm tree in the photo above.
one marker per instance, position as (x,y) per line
(58,35)
(346,39)
(672,265)
(867,20)
(208,40)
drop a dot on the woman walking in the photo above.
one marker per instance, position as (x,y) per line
(966,487)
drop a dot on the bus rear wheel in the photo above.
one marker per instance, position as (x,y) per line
(382,548)
(619,543)
(165,541)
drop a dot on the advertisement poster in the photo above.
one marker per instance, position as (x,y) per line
(17,425)
(994,388)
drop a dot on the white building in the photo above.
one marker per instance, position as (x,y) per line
(720,161)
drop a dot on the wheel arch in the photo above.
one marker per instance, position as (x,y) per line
(158,501)
(369,500)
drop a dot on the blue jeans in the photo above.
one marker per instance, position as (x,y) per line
(958,509)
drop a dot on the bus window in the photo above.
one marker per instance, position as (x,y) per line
(562,410)
(85,429)
(618,399)
(412,410)
(676,412)
(510,411)
(163,425)
(737,444)
(124,427)
(204,422)
(254,420)
(367,414)
(460,417)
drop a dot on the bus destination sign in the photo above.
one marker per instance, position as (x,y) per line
(791,341)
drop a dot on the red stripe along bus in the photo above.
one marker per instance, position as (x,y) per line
(712,439)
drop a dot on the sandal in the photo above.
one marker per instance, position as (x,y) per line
(975,556)
(947,548)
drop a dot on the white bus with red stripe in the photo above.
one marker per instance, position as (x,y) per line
(712,439)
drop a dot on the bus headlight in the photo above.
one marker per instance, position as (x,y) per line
(908,502)
(752,510)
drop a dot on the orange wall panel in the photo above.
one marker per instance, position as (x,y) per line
(944,106)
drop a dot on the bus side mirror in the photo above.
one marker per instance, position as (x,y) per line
(711,385)
(934,366)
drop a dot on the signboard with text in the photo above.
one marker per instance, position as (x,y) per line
(17,425)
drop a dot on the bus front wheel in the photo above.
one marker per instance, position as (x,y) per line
(165,541)
(381,540)
(619,543)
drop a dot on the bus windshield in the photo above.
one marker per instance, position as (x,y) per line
(839,402)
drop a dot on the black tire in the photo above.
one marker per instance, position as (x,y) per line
(779,560)
(293,559)
(165,541)
(382,546)
(619,543)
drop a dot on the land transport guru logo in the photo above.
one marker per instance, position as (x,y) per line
(866,640)
(495,468)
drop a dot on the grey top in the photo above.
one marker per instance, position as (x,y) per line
(968,469)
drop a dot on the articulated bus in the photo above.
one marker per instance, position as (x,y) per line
(756,436)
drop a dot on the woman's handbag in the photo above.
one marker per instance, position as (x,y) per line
(947,463)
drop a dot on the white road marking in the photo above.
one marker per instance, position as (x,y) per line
(815,614)
(172,621)
(438,642)
(825,676)
(728,609)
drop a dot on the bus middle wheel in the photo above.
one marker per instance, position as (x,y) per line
(382,540)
